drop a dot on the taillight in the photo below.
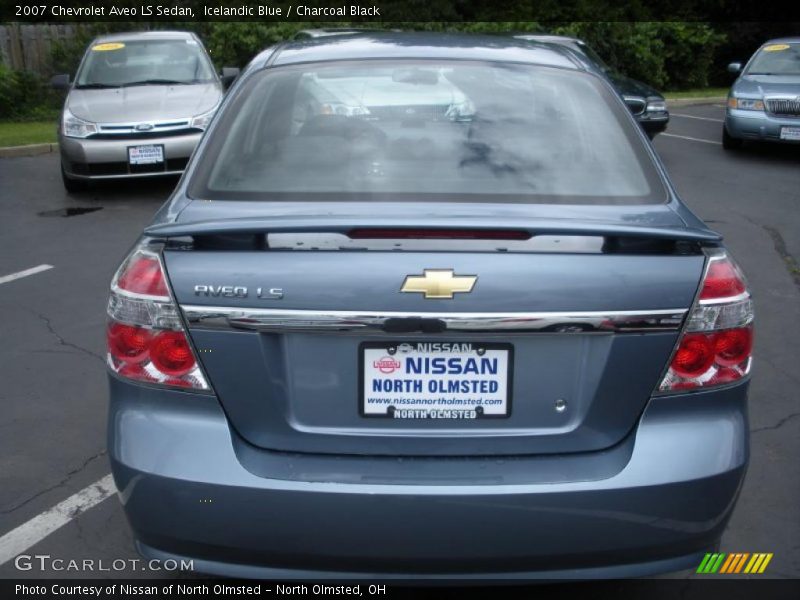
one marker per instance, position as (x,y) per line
(146,338)
(717,343)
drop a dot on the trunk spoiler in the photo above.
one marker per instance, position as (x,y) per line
(337,224)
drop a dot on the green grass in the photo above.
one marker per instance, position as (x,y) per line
(27,132)
(697,93)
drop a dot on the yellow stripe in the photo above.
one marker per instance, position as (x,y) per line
(749,567)
(727,563)
(741,563)
(765,563)
(759,560)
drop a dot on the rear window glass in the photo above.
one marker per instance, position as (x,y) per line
(426,131)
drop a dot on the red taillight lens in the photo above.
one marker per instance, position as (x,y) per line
(178,382)
(723,280)
(733,346)
(128,343)
(143,275)
(143,354)
(171,354)
(138,372)
(704,359)
(694,356)
(725,375)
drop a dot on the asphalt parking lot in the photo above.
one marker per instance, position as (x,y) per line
(53,381)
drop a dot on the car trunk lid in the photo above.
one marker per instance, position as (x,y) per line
(295,321)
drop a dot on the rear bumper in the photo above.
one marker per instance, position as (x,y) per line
(191,488)
(758,125)
(96,159)
(227,569)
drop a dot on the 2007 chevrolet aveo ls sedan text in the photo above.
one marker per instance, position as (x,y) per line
(427,306)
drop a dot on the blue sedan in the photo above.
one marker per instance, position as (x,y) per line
(427,306)
(764,102)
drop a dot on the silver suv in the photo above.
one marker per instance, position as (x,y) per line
(137,107)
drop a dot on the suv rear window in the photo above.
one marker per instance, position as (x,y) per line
(426,131)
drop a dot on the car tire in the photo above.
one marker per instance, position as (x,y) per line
(729,142)
(73,186)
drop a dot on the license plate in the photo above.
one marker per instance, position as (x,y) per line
(435,380)
(790,133)
(146,155)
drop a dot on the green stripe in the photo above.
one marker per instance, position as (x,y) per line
(710,565)
(702,567)
(718,564)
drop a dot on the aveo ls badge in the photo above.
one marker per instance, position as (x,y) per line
(237,291)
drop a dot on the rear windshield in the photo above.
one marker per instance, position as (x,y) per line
(426,131)
(776,59)
(143,62)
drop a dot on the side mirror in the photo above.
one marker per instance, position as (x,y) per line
(59,82)
(229,75)
(735,68)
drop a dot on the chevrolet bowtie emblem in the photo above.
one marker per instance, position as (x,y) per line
(439,283)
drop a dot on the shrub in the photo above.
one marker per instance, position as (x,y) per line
(667,55)
(24,95)
(689,53)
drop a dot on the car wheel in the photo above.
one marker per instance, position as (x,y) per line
(73,186)
(729,142)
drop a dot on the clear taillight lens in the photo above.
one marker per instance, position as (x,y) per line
(717,343)
(146,338)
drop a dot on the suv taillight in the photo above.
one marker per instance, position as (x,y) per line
(716,345)
(146,338)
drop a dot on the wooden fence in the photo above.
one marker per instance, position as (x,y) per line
(27,47)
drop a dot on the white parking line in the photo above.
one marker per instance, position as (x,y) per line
(25,273)
(686,137)
(34,531)
(696,117)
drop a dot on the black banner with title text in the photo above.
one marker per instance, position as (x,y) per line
(548,11)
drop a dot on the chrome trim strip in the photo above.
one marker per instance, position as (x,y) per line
(727,300)
(368,322)
(126,175)
(155,127)
(783,105)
